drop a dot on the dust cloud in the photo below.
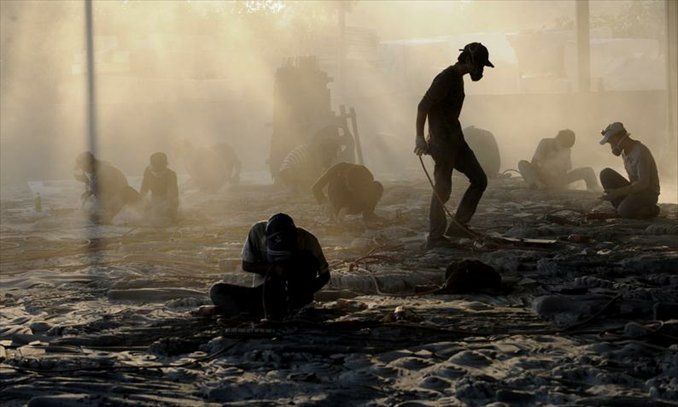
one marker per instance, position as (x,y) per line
(203,71)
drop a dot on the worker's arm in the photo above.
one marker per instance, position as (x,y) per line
(145,183)
(172,189)
(568,160)
(258,268)
(439,88)
(323,276)
(254,257)
(323,181)
(642,183)
(420,145)
(542,153)
(79,175)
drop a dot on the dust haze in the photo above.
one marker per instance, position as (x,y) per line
(134,284)
(203,72)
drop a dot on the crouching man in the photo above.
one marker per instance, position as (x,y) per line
(635,198)
(351,189)
(289,266)
(551,165)
(106,188)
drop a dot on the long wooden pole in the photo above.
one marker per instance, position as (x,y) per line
(672,72)
(91,80)
(342,52)
(356,136)
(583,45)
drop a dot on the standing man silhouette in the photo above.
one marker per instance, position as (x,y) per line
(442,105)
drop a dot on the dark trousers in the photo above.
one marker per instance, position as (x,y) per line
(531,175)
(447,158)
(235,300)
(278,295)
(638,205)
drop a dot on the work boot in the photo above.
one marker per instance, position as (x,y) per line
(440,241)
(455,230)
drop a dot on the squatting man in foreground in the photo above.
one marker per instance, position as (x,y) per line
(635,198)
(442,105)
(551,165)
(289,266)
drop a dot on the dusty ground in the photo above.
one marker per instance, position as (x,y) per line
(95,316)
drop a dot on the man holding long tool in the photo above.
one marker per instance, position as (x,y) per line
(442,105)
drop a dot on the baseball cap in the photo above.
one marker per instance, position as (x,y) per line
(611,130)
(281,236)
(479,53)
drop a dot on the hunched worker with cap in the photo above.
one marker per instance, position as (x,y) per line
(289,264)
(635,198)
(442,105)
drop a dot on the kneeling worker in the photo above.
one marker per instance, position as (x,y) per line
(635,198)
(351,189)
(162,183)
(289,263)
(551,165)
(106,188)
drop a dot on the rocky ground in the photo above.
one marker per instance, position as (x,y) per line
(105,315)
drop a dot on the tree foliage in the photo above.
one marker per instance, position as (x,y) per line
(635,19)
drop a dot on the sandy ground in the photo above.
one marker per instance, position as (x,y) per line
(104,315)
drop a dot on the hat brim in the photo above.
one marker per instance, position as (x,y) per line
(490,64)
(605,139)
(606,136)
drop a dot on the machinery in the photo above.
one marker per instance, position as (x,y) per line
(308,136)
